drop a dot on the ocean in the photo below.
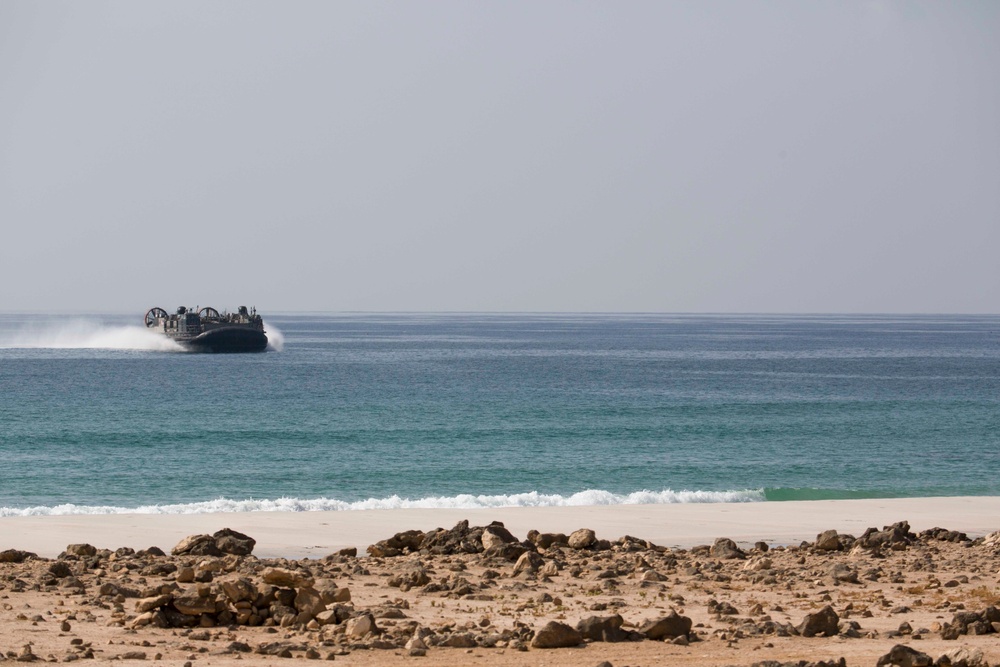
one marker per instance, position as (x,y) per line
(354,411)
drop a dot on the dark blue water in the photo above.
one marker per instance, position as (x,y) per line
(469,410)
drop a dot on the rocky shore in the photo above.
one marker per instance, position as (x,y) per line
(481,595)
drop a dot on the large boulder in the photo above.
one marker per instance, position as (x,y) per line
(495,535)
(824,622)
(972,623)
(902,655)
(828,540)
(508,552)
(528,563)
(725,548)
(556,635)
(309,601)
(602,628)
(546,540)
(397,545)
(197,545)
(151,603)
(584,538)
(239,590)
(897,535)
(758,564)
(459,540)
(667,627)
(60,570)
(962,657)
(16,556)
(279,576)
(943,535)
(81,550)
(191,604)
(361,625)
(229,541)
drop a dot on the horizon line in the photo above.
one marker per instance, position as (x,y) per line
(749,313)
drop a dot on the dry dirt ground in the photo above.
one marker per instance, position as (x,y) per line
(478,596)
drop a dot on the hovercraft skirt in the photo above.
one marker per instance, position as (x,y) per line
(228,339)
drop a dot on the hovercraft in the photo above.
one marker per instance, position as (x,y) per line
(208,330)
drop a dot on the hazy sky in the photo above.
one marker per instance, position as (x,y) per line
(500,156)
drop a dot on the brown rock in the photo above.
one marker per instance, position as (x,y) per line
(602,629)
(556,635)
(326,617)
(843,573)
(549,569)
(459,540)
(725,548)
(411,577)
(667,627)
(60,570)
(828,541)
(546,540)
(397,545)
(239,590)
(824,622)
(149,604)
(309,601)
(361,625)
(962,657)
(197,545)
(584,538)
(460,640)
(229,541)
(495,535)
(898,534)
(81,550)
(16,556)
(279,576)
(903,656)
(192,604)
(529,562)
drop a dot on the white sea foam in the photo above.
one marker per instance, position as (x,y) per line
(462,501)
(80,334)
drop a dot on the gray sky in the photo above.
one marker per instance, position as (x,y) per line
(500,156)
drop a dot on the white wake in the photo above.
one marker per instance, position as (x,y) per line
(82,334)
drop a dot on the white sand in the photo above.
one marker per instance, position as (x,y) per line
(316,534)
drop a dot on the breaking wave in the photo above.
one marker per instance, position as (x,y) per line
(462,501)
(81,334)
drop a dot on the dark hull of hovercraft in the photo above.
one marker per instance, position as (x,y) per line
(226,340)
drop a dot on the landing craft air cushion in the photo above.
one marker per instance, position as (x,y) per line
(207,330)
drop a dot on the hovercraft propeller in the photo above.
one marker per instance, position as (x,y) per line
(154,314)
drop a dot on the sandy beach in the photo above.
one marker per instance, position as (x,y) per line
(712,584)
(316,534)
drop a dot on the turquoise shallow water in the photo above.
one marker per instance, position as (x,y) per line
(352,411)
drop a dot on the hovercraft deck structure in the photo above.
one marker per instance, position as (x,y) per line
(208,330)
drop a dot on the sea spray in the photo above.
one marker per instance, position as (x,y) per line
(275,339)
(86,334)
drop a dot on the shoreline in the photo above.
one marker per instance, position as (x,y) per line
(481,595)
(680,525)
